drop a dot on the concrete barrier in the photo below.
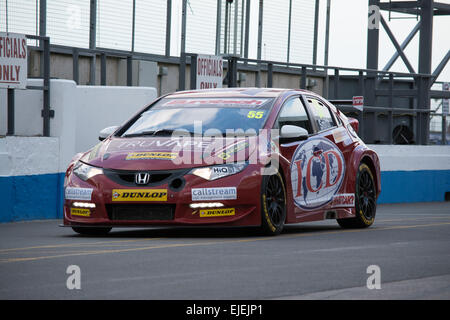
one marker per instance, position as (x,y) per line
(32,168)
(413,173)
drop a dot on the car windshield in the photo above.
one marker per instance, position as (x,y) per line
(202,116)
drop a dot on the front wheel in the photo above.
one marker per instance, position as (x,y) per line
(273,203)
(92,231)
(365,200)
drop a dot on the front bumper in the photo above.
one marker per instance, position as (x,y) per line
(169,206)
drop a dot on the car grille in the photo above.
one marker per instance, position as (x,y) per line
(120,212)
(127,178)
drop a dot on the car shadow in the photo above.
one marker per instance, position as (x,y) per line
(208,232)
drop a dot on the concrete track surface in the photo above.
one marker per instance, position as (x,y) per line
(409,242)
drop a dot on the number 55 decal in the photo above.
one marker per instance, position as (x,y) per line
(255,114)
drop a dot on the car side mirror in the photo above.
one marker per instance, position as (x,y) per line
(291,133)
(105,133)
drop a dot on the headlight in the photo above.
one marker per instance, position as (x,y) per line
(85,172)
(219,171)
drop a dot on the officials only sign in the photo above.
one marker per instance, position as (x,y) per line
(209,72)
(13,60)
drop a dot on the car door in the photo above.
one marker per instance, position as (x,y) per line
(293,112)
(318,164)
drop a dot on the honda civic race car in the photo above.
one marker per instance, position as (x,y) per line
(225,157)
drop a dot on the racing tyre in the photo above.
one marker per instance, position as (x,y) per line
(365,200)
(273,204)
(89,231)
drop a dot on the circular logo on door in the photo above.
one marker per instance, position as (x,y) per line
(317,172)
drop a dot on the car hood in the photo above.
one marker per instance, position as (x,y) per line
(166,153)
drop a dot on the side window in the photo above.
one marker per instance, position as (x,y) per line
(321,114)
(294,113)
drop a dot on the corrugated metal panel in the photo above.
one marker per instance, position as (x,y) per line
(275,30)
(114,24)
(21,17)
(302,31)
(150,32)
(68,22)
(201,26)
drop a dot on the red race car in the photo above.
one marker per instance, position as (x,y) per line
(226,157)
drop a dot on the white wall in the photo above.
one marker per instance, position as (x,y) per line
(412,158)
(80,113)
(28,155)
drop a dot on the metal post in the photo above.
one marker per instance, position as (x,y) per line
(42,29)
(168,26)
(444,129)
(133,25)
(425,58)
(361,113)
(75,69)
(327,40)
(336,83)
(129,71)
(193,80)
(236,7)
(182,70)
(303,79)
(316,30)
(269,75)
(218,25)
(103,70)
(11,112)
(225,34)
(391,106)
(289,32)
(92,38)
(247,28)
(327,33)
(258,55)
(46,112)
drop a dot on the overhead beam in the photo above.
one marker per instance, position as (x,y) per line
(396,45)
(440,67)
(402,46)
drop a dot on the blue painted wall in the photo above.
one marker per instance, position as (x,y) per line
(414,186)
(36,197)
(31,197)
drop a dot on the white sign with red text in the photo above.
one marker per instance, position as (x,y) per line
(209,72)
(13,60)
(358,102)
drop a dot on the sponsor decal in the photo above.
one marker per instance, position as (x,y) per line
(80,212)
(343,200)
(227,153)
(339,135)
(151,155)
(163,144)
(217,212)
(226,193)
(78,193)
(317,172)
(139,195)
(220,101)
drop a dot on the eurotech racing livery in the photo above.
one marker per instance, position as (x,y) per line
(225,157)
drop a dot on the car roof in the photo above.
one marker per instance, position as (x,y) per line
(234,93)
